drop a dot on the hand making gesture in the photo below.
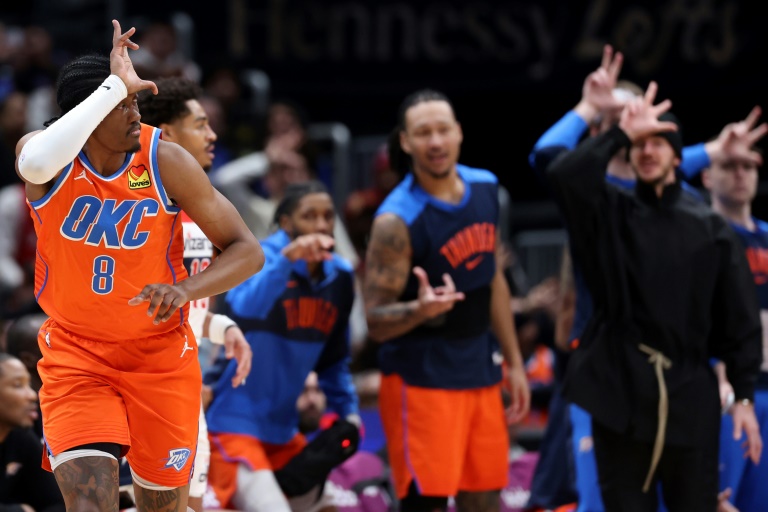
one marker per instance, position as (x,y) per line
(640,118)
(120,62)
(597,95)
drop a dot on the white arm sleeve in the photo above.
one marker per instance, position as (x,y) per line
(218,327)
(241,170)
(45,154)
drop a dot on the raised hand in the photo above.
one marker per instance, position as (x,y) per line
(434,302)
(736,140)
(120,62)
(640,118)
(597,96)
(312,248)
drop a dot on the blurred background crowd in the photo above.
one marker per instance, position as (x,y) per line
(306,89)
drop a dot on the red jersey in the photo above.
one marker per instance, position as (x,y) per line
(101,240)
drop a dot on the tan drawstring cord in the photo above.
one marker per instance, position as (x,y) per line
(660,363)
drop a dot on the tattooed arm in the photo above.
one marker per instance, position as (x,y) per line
(388,265)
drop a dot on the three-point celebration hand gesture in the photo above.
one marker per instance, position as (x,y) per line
(120,62)
(640,118)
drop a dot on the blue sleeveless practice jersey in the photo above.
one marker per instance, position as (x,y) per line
(456,351)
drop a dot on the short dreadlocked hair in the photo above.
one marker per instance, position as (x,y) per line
(78,79)
(170,103)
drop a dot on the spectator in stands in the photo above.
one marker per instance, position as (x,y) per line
(24,485)
(18,243)
(22,343)
(242,135)
(159,55)
(360,483)
(7,51)
(13,118)
(361,205)
(34,64)
(281,164)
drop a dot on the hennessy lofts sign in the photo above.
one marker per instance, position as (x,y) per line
(534,40)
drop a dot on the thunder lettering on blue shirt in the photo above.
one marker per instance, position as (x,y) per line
(756,246)
(294,325)
(565,135)
(458,350)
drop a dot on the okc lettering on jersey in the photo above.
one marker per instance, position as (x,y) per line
(758,263)
(97,222)
(470,241)
(310,313)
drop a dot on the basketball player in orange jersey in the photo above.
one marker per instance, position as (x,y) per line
(176,110)
(120,376)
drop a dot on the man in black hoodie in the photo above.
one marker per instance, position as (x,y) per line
(672,289)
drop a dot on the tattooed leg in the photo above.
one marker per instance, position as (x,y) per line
(86,482)
(174,500)
(477,501)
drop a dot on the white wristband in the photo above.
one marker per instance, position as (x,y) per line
(48,152)
(218,326)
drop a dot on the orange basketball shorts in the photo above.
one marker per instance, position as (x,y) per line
(143,395)
(230,450)
(444,440)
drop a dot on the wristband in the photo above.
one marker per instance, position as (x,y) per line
(218,326)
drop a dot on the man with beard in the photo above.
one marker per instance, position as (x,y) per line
(440,307)
(657,264)
(24,485)
(118,354)
(732,183)
(295,315)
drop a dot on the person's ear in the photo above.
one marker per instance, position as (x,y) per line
(285,224)
(169,132)
(404,143)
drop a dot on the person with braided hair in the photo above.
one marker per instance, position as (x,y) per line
(120,376)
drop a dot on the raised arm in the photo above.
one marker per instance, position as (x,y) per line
(597,99)
(735,140)
(41,155)
(387,269)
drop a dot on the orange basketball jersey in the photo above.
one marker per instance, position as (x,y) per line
(101,240)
